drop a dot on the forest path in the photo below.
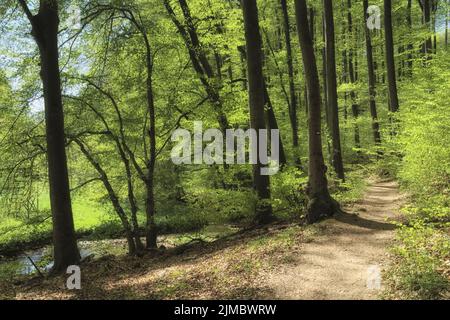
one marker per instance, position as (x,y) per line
(347,251)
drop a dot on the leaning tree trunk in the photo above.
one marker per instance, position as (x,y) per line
(333,111)
(372,80)
(320,202)
(45,31)
(390,62)
(261,183)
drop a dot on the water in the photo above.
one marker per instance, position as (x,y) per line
(27,268)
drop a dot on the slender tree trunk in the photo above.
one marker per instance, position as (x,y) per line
(269,114)
(410,45)
(345,80)
(199,59)
(326,105)
(133,246)
(253,41)
(333,110)
(320,202)
(390,62)
(150,208)
(446,23)
(372,80)
(293,97)
(353,74)
(433,19)
(45,32)
(272,123)
(426,7)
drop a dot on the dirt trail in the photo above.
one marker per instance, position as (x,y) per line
(348,251)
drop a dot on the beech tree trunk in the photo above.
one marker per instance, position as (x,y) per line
(320,203)
(293,97)
(45,32)
(332,98)
(261,183)
(446,23)
(372,80)
(353,74)
(410,45)
(390,62)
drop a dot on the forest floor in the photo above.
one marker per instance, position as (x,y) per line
(329,260)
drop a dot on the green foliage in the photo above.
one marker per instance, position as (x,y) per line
(222,206)
(421,269)
(288,193)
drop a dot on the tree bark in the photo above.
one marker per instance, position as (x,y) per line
(410,45)
(253,41)
(320,203)
(333,110)
(372,80)
(390,62)
(293,97)
(45,32)
(272,123)
(353,74)
(426,10)
(446,23)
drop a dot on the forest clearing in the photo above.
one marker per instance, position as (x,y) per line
(224,150)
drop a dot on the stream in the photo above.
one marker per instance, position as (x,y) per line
(21,265)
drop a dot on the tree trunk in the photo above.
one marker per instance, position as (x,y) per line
(272,123)
(199,60)
(371,76)
(446,23)
(426,8)
(261,183)
(333,110)
(151,232)
(269,113)
(45,32)
(133,246)
(410,45)
(353,75)
(320,203)
(293,96)
(390,62)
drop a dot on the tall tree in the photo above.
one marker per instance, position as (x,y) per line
(45,32)
(290,65)
(353,74)
(425,5)
(390,62)
(410,45)
(371,78)
(320,203)
(447,13)
(261,183)
(332,98)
